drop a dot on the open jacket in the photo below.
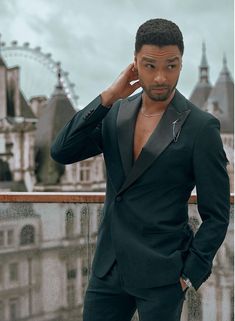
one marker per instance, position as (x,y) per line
(145,217)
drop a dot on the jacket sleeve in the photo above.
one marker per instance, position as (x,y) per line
(81,137)
(213,199)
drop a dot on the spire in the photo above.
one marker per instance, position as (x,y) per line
(204,63)
(225,67)
(203,87)
(222,98)
(59,84)
(204,67)
(59,88)
(224,75)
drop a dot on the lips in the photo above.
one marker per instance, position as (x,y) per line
(160,89)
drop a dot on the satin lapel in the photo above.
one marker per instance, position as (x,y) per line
(126,119)
(167,131)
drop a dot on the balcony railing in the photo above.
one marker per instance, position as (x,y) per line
(47,242)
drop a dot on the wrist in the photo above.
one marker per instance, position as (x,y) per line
(186,281)
(107,98)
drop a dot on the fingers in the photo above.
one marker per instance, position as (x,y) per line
(134,77)
(123,86)
(132,73)
(135,85)
(183,284)
(130,66)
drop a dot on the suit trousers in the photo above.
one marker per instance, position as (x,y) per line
(107,299)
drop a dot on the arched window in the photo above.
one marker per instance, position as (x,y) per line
(85,171)
(27,235)
(69,224)
(5,173)
(84,221)
(100,213)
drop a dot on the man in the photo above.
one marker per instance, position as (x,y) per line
(157,146)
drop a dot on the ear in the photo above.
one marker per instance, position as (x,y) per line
(135,62)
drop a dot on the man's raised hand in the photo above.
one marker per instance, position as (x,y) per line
(122,87)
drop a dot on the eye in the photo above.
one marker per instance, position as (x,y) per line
(149,66)
(171,66)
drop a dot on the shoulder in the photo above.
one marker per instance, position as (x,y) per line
(200,115)
(128,100)
(197,116)
(124,103)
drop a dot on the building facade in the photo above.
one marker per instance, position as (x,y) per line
(27,130)
(44,260)
(46,250)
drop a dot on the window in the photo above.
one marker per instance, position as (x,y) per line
(85,268)
(71,269)
(84,221)
(14,309)
(27,235)
(2,144)
(85,169)
(10,237)
(85,276)
(232,304)
(13,272)
(1,276)
(6,237)
(69,224)
(84,271)
(2,316)
(100,214)
(71,295)
(1,238)
(5,173)
(71,274)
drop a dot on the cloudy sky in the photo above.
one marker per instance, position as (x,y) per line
(94,40)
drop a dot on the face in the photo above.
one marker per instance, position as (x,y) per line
(158,70)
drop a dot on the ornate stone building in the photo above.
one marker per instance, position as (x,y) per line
(219,101)
(46,251)
(45,256)
(27,130)
(17,132)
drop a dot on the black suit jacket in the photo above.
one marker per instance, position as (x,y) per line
(145,217)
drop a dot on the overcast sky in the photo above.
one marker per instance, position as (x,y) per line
(94,40)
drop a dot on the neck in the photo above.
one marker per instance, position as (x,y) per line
(152,106)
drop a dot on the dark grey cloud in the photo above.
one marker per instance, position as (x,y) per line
(95,40)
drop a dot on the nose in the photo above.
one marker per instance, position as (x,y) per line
(160,77)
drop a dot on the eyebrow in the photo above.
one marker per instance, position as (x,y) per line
(149,59)
(173,59)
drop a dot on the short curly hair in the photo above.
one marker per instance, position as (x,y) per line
(159,32)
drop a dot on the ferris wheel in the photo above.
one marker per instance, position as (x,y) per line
(38,70)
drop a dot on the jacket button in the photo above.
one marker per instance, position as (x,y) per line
(118,198)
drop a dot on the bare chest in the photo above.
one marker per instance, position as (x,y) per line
(143,130)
